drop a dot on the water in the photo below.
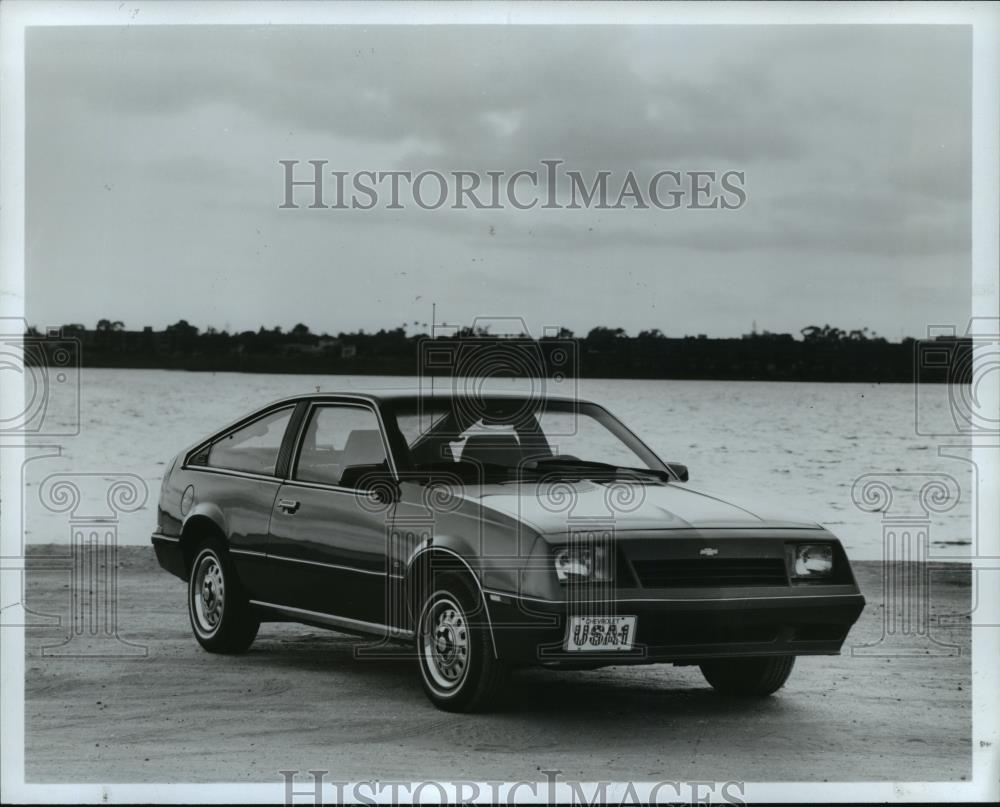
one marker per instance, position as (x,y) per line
(797,447)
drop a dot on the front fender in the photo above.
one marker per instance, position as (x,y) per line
(499,554)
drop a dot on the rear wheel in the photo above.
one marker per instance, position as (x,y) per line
(455,652)
(220,614)
(758,676)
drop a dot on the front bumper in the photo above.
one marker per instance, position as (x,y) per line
(528,631)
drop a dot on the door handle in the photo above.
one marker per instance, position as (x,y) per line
(288,505)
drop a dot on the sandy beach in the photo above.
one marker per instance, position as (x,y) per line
(163,710)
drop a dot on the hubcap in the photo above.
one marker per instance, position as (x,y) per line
(208,593)
(445,639)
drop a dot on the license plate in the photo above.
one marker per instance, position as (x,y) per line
(596,633)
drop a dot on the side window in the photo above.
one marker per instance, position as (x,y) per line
(255,447)
(337,438)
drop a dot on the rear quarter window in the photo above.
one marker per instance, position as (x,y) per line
(253,448)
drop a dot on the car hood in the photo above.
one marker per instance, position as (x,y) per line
(555,507)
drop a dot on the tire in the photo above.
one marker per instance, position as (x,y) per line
(757,676)
(458,669)
(220,615)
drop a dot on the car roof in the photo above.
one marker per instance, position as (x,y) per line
(409,394)
(377,398)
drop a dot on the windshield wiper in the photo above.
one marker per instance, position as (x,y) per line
(478,472)
(585,466)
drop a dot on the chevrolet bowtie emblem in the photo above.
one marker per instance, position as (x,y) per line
(709,551)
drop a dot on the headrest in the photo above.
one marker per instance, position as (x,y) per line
(363,447)
(494,449)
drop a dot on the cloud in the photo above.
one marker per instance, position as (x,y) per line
(153,150)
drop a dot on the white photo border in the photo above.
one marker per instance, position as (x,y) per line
(18,15)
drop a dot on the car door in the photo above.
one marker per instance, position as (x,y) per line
(327,543)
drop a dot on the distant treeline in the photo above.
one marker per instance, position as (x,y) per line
(820,353)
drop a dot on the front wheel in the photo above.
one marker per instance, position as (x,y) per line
(758,676)
(220,614)
(457,666)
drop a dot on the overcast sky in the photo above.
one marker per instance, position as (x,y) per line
(154,183)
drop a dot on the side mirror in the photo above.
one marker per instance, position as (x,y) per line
(374,479)
(679,470)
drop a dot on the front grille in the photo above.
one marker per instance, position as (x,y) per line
(701,572)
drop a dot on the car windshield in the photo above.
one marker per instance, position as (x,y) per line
(512,438)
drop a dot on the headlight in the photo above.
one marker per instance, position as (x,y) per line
(582,562)
(812,560)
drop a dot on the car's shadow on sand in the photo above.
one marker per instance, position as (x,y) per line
(609,694)
(612,693)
